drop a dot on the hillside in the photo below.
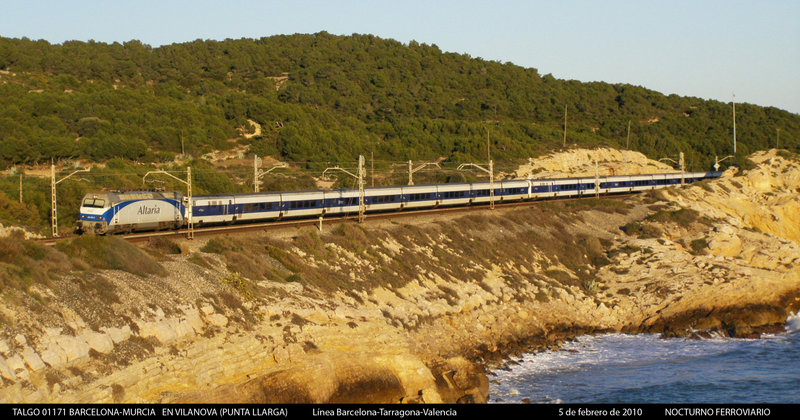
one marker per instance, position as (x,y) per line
(389,311)
(323,98)
(316,101)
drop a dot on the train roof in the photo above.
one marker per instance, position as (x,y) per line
(141,195)
(135,195)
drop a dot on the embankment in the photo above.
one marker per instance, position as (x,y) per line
(407,310)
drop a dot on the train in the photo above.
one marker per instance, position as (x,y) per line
(124,212)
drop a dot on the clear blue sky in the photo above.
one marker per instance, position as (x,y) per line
(707,49)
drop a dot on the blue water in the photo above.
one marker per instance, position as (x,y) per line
(619,368)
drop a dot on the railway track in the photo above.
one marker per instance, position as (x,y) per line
(294,223)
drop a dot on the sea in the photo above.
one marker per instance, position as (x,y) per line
(648,369)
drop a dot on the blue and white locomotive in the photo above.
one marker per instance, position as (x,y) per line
(114,212)
(140,211)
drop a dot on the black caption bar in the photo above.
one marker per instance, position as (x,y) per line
(559,411)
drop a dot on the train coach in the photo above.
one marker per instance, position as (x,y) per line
(102,213)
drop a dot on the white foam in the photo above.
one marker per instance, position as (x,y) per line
(793,322)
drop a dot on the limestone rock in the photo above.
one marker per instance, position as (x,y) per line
(32,359)
(75,322)
(72,347)
(581,163)
(217,320)
(17,365)
(117,335)
(725,244)
(99,342)
(281,355)
(54,356)
(6,372)
(193,318)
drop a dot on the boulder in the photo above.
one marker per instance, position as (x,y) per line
(32,359)
(99,342)
(6,372)
(73,347)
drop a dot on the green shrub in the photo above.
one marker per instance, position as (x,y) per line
(214,246)
(682,217)
(698,246)
(641,230)
(240,284)
(163,245)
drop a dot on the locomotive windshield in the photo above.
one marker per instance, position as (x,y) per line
(94,202)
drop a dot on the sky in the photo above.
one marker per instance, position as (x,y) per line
(747,51)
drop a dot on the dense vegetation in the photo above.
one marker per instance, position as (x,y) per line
(322,98)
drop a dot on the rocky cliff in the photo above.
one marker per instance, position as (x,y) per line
(585,163)
(404,310)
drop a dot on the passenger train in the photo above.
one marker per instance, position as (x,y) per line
(114,212)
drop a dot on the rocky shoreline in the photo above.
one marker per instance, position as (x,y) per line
(406,311)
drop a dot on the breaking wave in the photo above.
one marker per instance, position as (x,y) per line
(620,368)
